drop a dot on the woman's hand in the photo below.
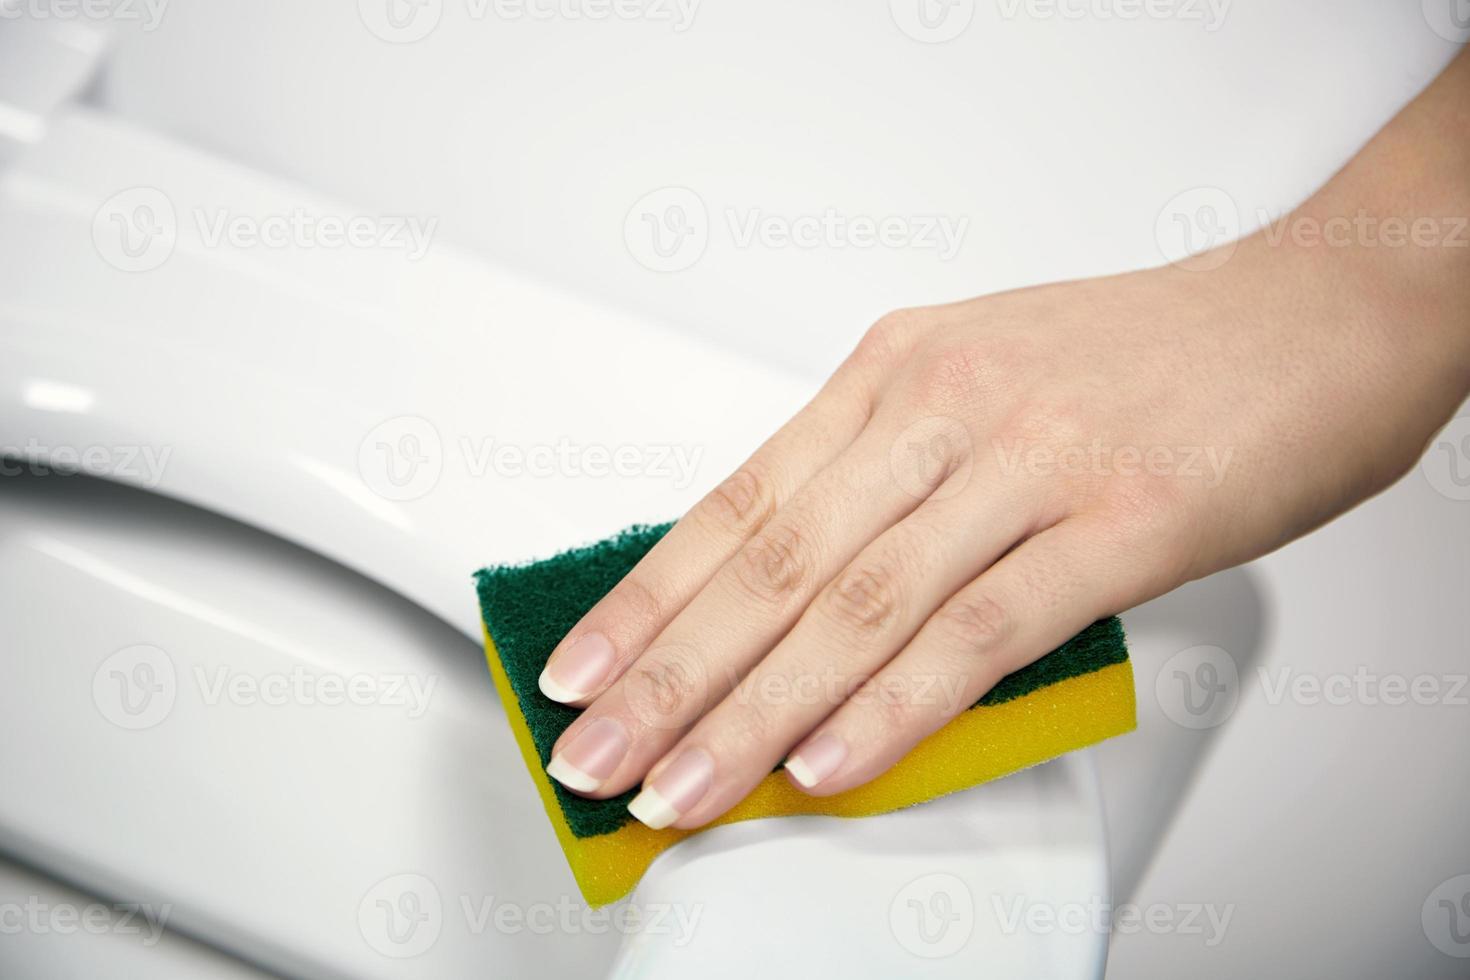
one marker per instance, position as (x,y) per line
(980,481)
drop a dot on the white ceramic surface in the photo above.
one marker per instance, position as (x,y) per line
(1063,139)
(155,750)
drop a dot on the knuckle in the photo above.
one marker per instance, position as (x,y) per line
(890,336)
(741,503)
(637,601)
(1045,423)
(978,623)
(865,598)
(776,563)
(751,727)
(889,713)
(666,689)
(955,375)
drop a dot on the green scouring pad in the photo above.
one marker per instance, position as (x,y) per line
(1075,696)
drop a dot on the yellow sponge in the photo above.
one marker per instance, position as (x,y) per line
(1076,696)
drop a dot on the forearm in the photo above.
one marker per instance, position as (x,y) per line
(1395,235)
(1367,286)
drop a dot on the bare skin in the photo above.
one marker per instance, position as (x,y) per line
(977,482)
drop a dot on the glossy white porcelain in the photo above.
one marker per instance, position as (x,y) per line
(260,378)
(178,729)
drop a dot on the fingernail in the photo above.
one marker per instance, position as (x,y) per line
(578,670)
(590,757)
(817,759)
(677,789)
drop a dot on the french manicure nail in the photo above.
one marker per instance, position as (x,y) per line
(676,791)
(591,756)
(578,670)
(817,759)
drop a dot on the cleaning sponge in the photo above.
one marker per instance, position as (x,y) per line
(1075,696)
